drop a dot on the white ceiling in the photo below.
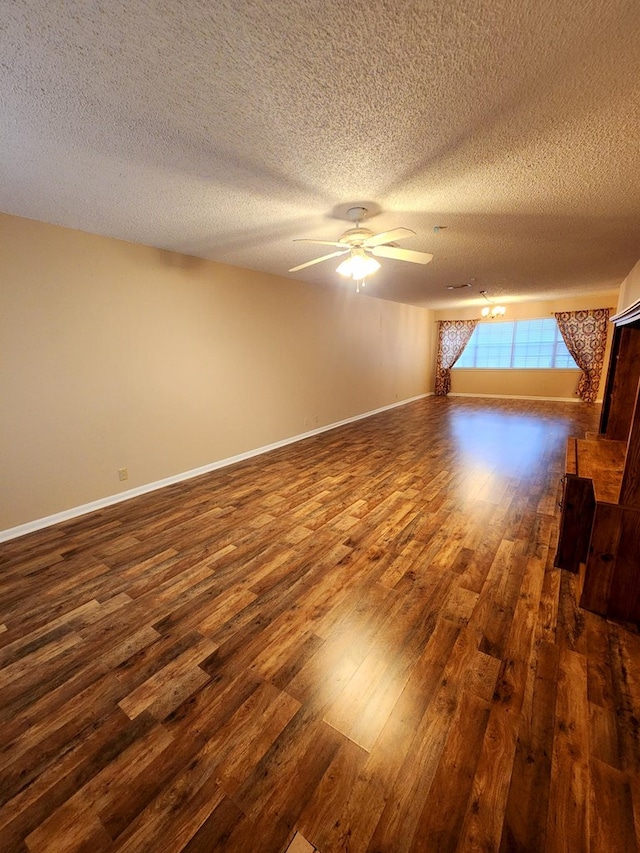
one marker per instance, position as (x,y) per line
(226,129)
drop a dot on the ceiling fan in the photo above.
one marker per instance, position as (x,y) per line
(360,244)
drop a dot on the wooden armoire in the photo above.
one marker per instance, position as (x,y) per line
(600,521)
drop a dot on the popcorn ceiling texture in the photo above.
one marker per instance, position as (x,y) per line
(226,129)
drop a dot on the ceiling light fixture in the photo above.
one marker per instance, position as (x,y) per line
(358,266)
(491,311)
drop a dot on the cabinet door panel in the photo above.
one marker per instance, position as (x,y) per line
(624,599)
(622,383)
(603,555)
(578,504)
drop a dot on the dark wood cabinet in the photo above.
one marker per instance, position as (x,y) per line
(600,522)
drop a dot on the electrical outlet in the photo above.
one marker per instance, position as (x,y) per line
(123,474)
(304,422)
(316,419)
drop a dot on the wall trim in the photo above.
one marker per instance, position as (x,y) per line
(110,500)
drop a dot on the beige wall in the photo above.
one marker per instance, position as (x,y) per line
(118,355)
(558,384)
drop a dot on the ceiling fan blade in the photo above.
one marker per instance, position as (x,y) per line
(389,236)
(318,260)
(401,254)
(317,242)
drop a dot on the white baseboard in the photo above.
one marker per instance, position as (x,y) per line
(110,500)
(519,397)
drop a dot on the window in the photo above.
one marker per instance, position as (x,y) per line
(518,343)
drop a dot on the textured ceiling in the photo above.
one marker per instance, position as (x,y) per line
(226,129)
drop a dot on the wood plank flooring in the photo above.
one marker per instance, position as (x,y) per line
(355,643)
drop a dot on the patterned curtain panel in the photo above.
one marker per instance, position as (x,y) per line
(453,336)
(585,334)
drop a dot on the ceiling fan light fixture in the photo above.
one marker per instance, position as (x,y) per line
(358,266)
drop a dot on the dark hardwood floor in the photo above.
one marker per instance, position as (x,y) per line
(360,639)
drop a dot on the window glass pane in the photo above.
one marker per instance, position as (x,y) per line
(516,343)
(563,357)
(467,359)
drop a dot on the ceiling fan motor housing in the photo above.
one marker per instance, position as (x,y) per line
(355,236)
